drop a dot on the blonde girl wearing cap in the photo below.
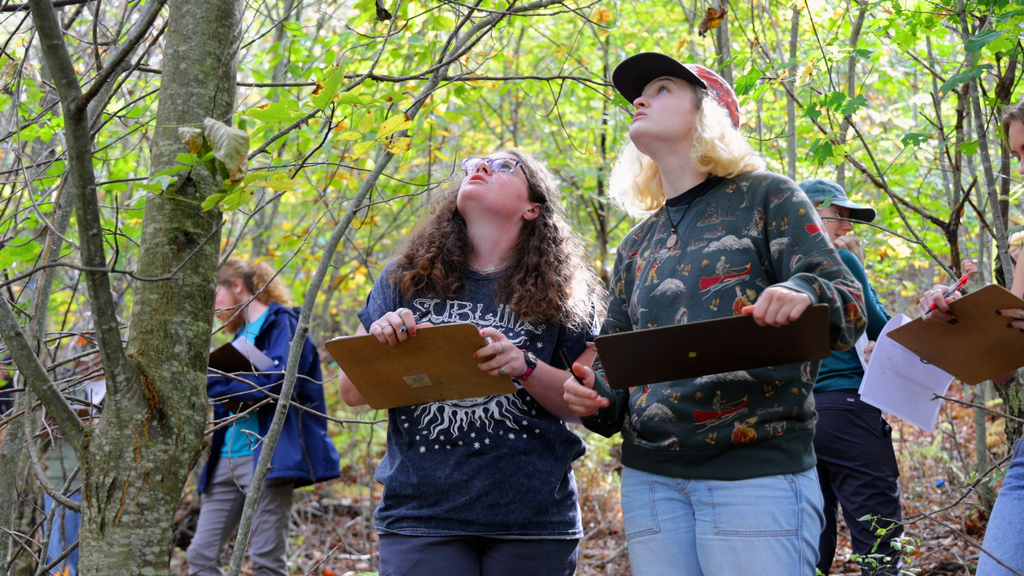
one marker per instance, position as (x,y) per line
(719,470)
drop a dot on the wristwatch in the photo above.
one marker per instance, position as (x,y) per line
(531,364)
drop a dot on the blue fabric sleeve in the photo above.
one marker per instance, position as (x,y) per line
(278,331)
(382,298)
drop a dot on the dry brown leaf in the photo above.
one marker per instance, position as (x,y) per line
(712,18)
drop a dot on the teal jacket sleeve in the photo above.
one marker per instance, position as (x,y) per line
(877,314)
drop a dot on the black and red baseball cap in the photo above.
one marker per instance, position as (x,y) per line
(633,74)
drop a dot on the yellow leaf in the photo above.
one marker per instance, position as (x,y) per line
(349,135)
(366,122)
(603,15)
(361,148)
(399,145)
(394,124)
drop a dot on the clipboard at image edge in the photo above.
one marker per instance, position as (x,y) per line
(436,365)
(979,346)
(709,347)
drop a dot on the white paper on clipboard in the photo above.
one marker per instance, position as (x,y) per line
(260,361)
(899,382)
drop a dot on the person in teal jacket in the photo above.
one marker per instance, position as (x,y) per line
(856,464)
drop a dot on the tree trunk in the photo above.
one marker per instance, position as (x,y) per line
(135,466)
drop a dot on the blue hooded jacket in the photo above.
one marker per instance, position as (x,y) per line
(304,452)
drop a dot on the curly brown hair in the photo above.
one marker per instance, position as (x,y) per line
(548,280)
(258,279)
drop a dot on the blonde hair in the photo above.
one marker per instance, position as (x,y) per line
(1016,241)
(258,279)
(718,149)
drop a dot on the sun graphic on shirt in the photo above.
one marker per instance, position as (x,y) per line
(458,415)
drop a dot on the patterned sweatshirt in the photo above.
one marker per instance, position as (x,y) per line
(744,235)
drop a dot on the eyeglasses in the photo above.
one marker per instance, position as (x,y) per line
(503,165)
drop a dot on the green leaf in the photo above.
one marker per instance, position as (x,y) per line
(914,138)
(230,146)
(853,104)
(212,200)
(812,111)
(56,169)
(976,43)
(328,89)
(963,77)
(821,151)
(394,124)
(163,182)
(744,84)
(969,147)
(864,53)
(274,112)
(834,101)
(171,171)
(236,199)
(188,160)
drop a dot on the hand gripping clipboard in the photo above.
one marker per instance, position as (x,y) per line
(437,364)
(711,347)
(979,346)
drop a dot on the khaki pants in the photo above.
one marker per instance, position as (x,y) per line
(221,510)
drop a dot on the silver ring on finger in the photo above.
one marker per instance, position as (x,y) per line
(502,347)
(501,371)
(1021,314)
(385,326)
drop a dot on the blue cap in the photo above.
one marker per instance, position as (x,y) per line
(820,190)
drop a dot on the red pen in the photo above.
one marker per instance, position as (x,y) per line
(959,284)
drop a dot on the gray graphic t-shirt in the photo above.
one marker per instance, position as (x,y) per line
(495,465)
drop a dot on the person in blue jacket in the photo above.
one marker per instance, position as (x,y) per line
(856,463)
(254,306)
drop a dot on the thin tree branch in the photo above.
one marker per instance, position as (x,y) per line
(83,182)
(56,4)
(36,377)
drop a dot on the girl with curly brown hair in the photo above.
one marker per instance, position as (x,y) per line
(485,485)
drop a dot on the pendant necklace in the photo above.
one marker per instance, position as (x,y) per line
(697,191)
(485,270)
(674,236)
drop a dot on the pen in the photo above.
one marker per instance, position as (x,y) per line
(568,363)
(416,320)
(959,284)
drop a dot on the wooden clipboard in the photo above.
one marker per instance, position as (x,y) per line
(437,364)
(711,347)
(979,346)
(240,356)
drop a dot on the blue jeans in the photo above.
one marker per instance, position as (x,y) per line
(1004,537)
(63,535)
(767,526)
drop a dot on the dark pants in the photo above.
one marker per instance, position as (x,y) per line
(475,556)
(857,469)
